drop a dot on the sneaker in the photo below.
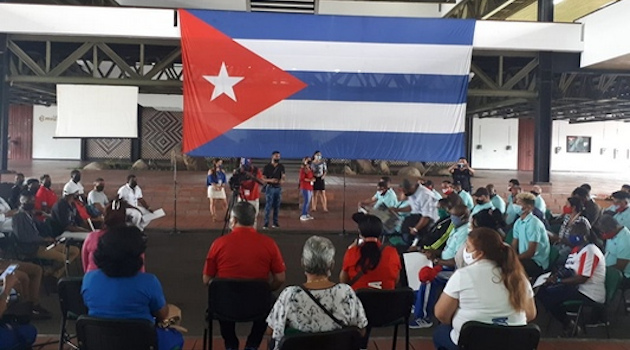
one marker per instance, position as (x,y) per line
(275,226)
(39,313)
(420,323)
(308,217)
(265,227)
(304,218)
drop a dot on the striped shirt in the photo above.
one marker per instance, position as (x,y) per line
(589,262)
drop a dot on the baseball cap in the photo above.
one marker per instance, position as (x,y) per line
(70,188)
(481,191)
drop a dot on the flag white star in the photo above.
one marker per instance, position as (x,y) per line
(223,83)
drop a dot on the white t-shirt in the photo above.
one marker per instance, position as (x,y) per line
(97,197)
(4,206)
(294,309)
(589,262)
(482,297)
(131,195)
(424,202)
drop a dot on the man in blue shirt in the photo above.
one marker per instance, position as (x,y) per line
(482,200)
(466,197)
(617,244)
(620,210)
(496,200)
(531,241)
(384,197)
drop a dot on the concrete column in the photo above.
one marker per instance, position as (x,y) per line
(4,104)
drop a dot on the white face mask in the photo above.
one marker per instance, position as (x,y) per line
(468,257)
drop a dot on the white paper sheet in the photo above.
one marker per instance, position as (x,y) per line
(415,261)
(541,280)
(155,215)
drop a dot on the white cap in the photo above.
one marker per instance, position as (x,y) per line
(71,188)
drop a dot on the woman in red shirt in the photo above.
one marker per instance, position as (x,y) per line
(306,187)
(367,263)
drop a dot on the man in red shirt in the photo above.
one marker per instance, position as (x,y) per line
(244,253)
(251,178)
(45,198)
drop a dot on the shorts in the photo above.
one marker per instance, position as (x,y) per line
(319,184)
(216,194)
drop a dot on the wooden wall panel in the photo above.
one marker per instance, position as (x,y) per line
(20,132)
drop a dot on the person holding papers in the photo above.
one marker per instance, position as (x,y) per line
(132,194)
(583,277)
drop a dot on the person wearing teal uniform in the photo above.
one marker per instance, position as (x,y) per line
(496,200)
(540,201)
(482,200)
(466,197)
(617,239)
(530,241)
(384,196)
(620,210)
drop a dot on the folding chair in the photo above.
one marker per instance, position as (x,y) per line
(482,336)
(388,308)
(341,339)
(114,334)
(72,306)
(236,300)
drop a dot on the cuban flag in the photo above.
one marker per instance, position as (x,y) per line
(351,87)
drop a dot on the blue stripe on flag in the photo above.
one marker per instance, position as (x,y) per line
(279,26)
(336,144)
(379,87)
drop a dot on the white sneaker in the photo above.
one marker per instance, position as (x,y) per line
(304,218)
(309,217)
(420,323)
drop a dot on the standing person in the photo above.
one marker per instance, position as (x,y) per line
(496,200)
(493,288)
(216,187)
(132,194)
(263,261)
(251,178)
(45,197)
(274,176)
(306,187)
(462,172)
(531,240)
(320,169)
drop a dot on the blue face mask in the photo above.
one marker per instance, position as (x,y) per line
(456,220)
(517,209)
(575,240)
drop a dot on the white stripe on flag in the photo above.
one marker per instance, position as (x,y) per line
(360,116)
(320,56)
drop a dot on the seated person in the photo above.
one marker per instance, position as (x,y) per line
(436,238)
(496,200)
(489,218)
(492,289)
(592,210)
(424,305)
(583,277)
(33,245)
(14,335)
(115,216)
(65,216)
(465,196)
(18,185)
(138,207)
(540,201)
(117,289)
(6,213)
(97,199)
(620,208)
(531,241)
(572,214)
(29,281)
(295,309)
(45,197)
(482,200)
(617,238)
(382,198)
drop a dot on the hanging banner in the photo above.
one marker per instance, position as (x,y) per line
(351,87)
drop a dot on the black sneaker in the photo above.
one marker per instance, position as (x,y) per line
(275,226)
(39,313)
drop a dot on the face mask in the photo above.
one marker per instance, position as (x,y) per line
(575,240)
(611,235)
(318,157)
(468,257)
(443,213)
(456,220)
(517,209)
(28,206)
(47,184)
(76,178)
(480,201)
(567,209)
(133,184)
(100,188)
(276,160)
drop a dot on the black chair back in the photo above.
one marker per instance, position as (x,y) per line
(114,334)
(70,298)
(482,336)
(342,339)
(386,307)
(239,300)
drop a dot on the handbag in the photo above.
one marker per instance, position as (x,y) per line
(332,317)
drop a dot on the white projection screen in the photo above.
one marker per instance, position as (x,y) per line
(85,111)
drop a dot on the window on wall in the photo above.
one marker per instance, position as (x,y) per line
(578,144)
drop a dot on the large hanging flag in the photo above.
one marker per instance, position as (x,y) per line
(351,87)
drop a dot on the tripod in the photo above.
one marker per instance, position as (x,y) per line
(235,197)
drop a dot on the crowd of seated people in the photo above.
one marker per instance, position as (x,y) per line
(486,251)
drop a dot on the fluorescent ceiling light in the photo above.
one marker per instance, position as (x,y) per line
(496,10)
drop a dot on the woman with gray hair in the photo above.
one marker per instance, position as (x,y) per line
(318,305)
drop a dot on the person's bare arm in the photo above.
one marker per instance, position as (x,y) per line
(144,204)
(161,314)
(515,244)
(424,221)
(206,279)
(621,264)
(471,170)
(529,253)
(277,280)
(445,308)
(343,277)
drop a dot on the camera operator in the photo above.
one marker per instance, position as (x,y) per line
(462,172)
(246,180)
